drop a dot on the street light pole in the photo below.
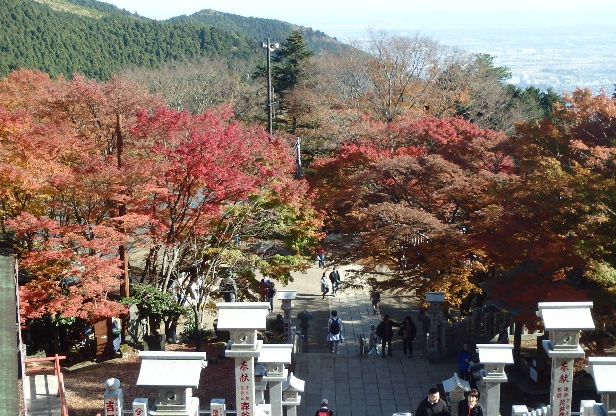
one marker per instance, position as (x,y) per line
(270,110)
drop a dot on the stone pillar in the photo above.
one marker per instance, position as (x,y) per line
(287,297)
(291,398)
(260,384)
(592,408)
(564,321)
(275,356)
(242,320)
(435,313)
(494,357)
(113,398)
(140,407)
(218,407)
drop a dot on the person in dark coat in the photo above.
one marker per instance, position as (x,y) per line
(433,405)
(385,330)
(470,406)
(409,332)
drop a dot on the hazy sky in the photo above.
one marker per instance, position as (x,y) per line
(323,14)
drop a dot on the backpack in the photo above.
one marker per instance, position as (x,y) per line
(380,329)
(323,413)
(334,328)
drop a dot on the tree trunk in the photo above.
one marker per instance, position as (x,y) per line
(198,328)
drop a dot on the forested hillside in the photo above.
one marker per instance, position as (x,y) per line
(97,39)
(69,38)
(260,29)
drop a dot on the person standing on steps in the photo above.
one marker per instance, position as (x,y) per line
(334,332)
(409,332)
(385,330)
(324,285)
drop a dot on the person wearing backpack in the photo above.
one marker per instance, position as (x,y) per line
(334,332)
(324,410)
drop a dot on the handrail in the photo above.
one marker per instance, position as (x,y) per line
(58,373)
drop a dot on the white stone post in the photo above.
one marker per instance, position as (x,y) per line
(434,312)
(275,356)
(140,406)
(603,370)
(494,357)
(291,398)
(218,407)
(287,297)
(113,398)
(260,384)
(242,320)
(564,321)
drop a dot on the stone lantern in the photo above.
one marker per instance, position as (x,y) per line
(290,393)
(242,320)
(455,387)
(494,357)
(287,297)
(260,384)
(174,375)
(564,320)
(436,299)
(275,356)
(603,370)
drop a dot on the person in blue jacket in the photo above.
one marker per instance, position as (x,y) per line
(464,359)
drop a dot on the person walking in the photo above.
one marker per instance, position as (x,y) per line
(433,405)
(385,331)
(409,332)
(464,361)
(334,332)
(271,292)
(321,259)
(375,298)
(324,410)
(373,341)
(470,406)
(324,285)
(334,278)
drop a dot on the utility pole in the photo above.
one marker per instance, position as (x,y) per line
(269,106)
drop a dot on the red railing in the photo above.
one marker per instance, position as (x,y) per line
(58,374)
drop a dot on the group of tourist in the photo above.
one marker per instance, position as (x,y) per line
(268,291)
(432,405)
(335,280)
